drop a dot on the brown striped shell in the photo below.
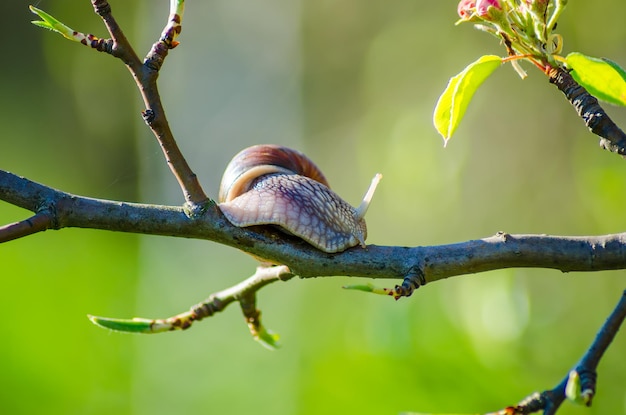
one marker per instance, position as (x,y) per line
(275,185)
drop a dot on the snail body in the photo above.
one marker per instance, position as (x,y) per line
(275,185)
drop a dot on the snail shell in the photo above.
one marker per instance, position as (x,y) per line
(275,185)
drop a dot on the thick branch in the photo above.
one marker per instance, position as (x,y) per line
(436,262)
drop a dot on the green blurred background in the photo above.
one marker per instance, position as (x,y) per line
(353,84)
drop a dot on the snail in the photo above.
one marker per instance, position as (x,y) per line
(274,185)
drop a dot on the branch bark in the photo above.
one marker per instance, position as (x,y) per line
(612,138)
(582,253)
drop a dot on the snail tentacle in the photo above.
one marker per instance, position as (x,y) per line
(367,199)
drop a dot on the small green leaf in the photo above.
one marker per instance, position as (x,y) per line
(267,338)
(456,97)
(572,389)
(602,78)
(49,22)
(574,392)
(135,325)
(369,288)
(43,24)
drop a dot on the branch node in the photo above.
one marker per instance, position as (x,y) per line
(101,7)
(101,45)
(207,308)
(531,404)
(148,116)
(588,378)
(196,210)
(252,316)
(156,56)
(502,235)
(414,279)
(49,209)
(172,30)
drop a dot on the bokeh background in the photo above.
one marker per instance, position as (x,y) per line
(353,84)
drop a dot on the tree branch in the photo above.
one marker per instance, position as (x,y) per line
(585,253)
(41,221)
(154,115)
(550,400)
(612,138)
(145,75)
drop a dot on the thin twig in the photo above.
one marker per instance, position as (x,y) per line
(550,400)
(121,47)
(244,293)
(145,75)
(589,362)
(39,222)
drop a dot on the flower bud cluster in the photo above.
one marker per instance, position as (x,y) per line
(477,10)
(525,25)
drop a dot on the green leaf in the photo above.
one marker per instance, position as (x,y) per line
(572,389)
(602,78)
(135,325)
(267,338)
(454,100)
(369,288)
(49,22)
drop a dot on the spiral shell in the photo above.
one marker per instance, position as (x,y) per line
(274,185)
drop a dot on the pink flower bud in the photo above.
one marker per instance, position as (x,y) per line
(482,7)
(466,9)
